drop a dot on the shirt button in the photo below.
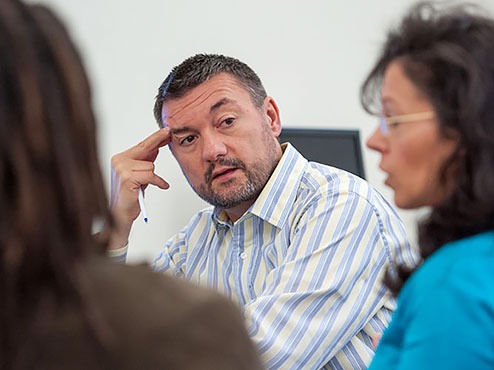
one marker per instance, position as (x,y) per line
(243,255)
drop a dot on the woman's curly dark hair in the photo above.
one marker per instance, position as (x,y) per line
(448,53)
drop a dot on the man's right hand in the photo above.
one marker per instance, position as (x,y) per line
(132,169)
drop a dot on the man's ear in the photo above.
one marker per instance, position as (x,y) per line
(270,109)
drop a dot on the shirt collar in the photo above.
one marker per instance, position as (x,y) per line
(275,202)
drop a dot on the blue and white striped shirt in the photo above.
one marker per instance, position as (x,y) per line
(305,263)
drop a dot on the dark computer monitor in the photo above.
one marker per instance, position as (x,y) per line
(337,148)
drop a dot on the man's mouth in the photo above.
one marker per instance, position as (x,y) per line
(223,173)
(222,169)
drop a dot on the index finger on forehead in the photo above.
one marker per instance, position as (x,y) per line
(155,141)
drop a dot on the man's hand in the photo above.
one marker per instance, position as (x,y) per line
(132,169)
(375,339)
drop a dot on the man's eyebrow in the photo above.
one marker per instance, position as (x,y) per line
(188,129)
(181,130)
(221,102)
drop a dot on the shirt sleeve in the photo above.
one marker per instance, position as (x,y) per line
(176,247)
(118,255)
(327,289)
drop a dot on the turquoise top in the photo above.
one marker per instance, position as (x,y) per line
(445,314)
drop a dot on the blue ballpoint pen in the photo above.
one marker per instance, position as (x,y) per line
(142,205)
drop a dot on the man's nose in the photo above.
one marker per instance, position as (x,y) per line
(213,147)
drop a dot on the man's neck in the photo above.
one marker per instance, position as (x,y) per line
(235,213)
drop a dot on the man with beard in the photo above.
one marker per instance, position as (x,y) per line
(301,247)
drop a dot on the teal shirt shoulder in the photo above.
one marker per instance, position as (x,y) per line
(445,314)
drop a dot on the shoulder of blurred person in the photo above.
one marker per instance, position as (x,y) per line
(147,321)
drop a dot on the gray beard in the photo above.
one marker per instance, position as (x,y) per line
(255,181)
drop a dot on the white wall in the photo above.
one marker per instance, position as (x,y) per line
(311,55)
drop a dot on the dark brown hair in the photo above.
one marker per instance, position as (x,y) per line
(448,53)
(52,191)
(201,67)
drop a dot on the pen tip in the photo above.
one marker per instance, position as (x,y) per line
(146,220)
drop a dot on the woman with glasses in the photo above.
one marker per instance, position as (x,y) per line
(433,88)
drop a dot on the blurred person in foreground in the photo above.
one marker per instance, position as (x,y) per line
(433,86)
(63,304)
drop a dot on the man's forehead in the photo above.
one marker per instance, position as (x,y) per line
(208,97)
(214,106)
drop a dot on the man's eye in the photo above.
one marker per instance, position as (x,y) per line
(187,140)
(228,121)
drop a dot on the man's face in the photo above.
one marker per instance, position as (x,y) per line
(225,145)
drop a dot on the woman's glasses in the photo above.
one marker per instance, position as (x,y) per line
(386,122)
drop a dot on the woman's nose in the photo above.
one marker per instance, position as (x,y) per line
(377,141)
